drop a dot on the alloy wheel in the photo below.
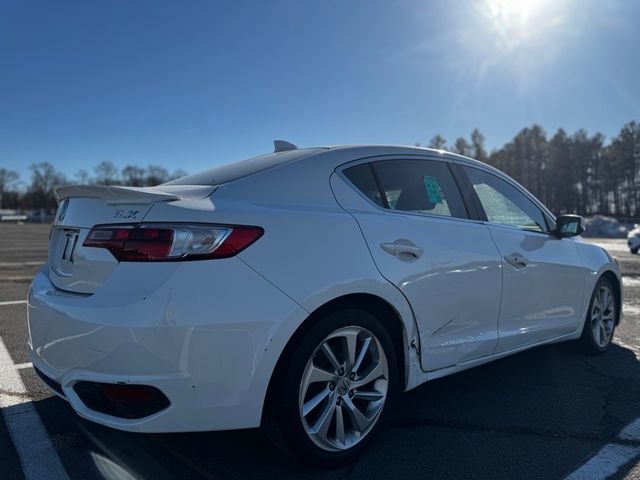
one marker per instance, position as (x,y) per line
(343,389)
(603,316)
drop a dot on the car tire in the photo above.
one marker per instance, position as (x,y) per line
(352,390)
(600,323)
(634,250)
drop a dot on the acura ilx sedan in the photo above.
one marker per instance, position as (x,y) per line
(299,290)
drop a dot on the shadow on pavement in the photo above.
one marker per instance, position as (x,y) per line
(537,414)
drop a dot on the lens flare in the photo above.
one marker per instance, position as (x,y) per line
(516,22)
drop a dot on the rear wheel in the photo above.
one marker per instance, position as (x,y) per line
(634,250)
(331,395)
(600,323)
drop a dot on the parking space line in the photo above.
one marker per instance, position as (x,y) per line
(38,456)
(20,264)
(612,456)
(606,462)
(631,433)
(13,302)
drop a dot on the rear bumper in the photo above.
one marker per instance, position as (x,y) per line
(197,331)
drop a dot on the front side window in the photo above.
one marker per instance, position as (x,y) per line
(505,204)
(418,186)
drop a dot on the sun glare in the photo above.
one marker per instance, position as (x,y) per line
(516,22)
(513,38)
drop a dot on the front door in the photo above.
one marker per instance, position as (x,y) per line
(543,276)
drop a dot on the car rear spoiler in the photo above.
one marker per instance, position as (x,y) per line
(115,194)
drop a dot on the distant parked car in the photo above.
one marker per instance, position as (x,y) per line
(299,290)
(633,239)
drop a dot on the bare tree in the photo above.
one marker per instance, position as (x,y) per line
(155,175)
(107,173)
(477,146)
(437,142)
(133,176)
(462,147)
(82,177)
(178,174)
(8,181)
(44,180)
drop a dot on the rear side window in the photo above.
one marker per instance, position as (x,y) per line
(418,186)
(362,177)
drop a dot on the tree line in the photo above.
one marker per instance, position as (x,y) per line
(571,173)
(45,178)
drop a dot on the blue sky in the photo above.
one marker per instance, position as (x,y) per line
(193,84)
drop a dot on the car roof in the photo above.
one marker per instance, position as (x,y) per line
(345,153)
(364,151)
(402,150)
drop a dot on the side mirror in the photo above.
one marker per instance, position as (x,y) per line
(568,226)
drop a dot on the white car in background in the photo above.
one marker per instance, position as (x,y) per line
(633,239)
(299,290)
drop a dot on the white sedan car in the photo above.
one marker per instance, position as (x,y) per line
(299,290)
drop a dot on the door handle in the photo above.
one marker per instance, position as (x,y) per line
(517,261)
(397,248)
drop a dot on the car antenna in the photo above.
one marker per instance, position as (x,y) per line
(282,146)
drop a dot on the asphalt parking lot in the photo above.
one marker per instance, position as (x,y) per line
(538,414)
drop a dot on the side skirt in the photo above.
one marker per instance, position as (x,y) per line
(443,372)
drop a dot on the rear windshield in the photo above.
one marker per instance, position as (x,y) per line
(233,171)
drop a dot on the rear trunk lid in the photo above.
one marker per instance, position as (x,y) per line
(80,269)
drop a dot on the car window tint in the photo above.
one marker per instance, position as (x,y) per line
(505,204)
(420,186)
(362,177)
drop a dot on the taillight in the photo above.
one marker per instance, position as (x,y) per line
(111,238)
(163,242)
(147,244)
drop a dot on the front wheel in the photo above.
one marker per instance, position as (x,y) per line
(332,393)
(634,250)
(601,318)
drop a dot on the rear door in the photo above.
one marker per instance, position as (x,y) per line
(543,276)
(418,230)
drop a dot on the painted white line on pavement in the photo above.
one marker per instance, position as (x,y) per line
(13,302)
(20,264)
(21,366)
(628,281)
(606,462)
(38,457)
(612,456)
(631,432)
